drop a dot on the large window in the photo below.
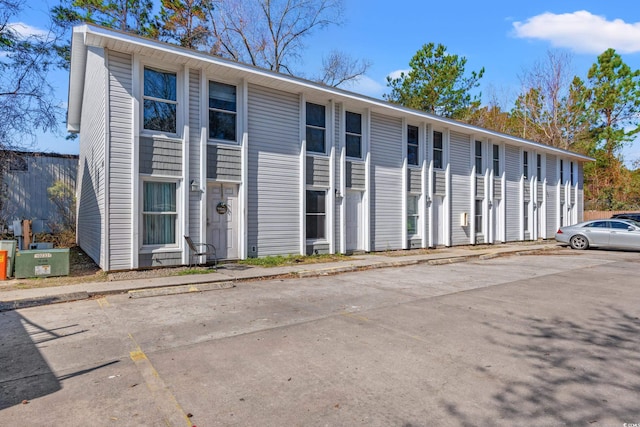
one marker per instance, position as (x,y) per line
(539,167)
(222,111)
(316,214)
(316,128)
(437,150)
(413,145)
(160,100)
(412,215)
(354,135)
(525,164)
(159,213)
(478,216)
(496,160)
(478,157)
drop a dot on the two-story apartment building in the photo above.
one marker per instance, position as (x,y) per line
(176,142)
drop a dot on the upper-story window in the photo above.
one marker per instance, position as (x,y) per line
(572,174)
(354,135)
(496,160)
(539,167)
(525,164)
(437,150)
(478,156)
(561,172)
(222,111)
(316,128)
(413,145)
(160,100)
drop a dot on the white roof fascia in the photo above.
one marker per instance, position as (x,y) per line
(99,36)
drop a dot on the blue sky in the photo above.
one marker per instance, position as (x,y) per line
(504,37)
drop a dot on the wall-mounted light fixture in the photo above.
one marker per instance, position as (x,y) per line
(489,204)
(428,200)
(338,195)
(195,187)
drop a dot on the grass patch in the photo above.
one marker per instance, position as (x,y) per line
(191,271)
(283,260)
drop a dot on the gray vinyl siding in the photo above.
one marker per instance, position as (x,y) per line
(120,132)
(512,198)
(460,151)
(497,188)
(540,189)
(274,171)
(552,192)
(439,183)
(355,175)
(479,187)
(414,180)
(318,171)
(90,190)
(159,156)
(223,163)
(161,259)
(195,197)
(386,185)
(25,192)
(527,190)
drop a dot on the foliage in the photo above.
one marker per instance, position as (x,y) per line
(63,197)
(280,260)
(339,68)
(436,83)
(27,103)
(185,22)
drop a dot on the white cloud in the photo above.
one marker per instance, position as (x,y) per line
(367,86)
(396,74)
(582,32)
(25,30)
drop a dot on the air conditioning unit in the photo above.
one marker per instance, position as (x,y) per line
(464,219)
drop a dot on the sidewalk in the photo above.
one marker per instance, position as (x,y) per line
(228,274)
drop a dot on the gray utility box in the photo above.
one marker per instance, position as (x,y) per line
(42,263)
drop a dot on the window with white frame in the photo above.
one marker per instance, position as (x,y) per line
(539,167)
(413,213)
(437,150)
(223,111)
(571,172)
(496,160)
(478,157)
(159,213)
(354,134)
(478,216)
(525,164)
(160,100)
(526,216)
(561,172)
(316,128)
(316,214)
(413,145)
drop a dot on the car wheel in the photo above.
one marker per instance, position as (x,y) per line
(579,242)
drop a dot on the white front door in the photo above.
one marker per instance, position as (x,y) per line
(438,221)
(497,221)
(354,220)
(222,219)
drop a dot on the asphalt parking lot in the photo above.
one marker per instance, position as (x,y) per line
(532,340)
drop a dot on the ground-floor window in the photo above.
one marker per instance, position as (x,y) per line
(526,216)
(159,213)
(478,216)
(316,214)
(412,215)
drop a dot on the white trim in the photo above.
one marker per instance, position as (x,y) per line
(177,246)
(343,179)
(185,161)
(156,65)
(205,106)
(330,140)
(303,177)
(136,90)
(446,142)
(204,133)
(366,197)
(106,247)
(243,191)
(424,204)
(472,190)
(405,188)
(427,180)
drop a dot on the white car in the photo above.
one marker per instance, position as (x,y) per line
(601,233)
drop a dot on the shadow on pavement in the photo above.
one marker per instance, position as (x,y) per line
(24,373)
(581,371)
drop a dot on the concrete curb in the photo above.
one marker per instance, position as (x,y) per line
(201,284)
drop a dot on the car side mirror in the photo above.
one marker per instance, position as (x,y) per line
(632,228)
